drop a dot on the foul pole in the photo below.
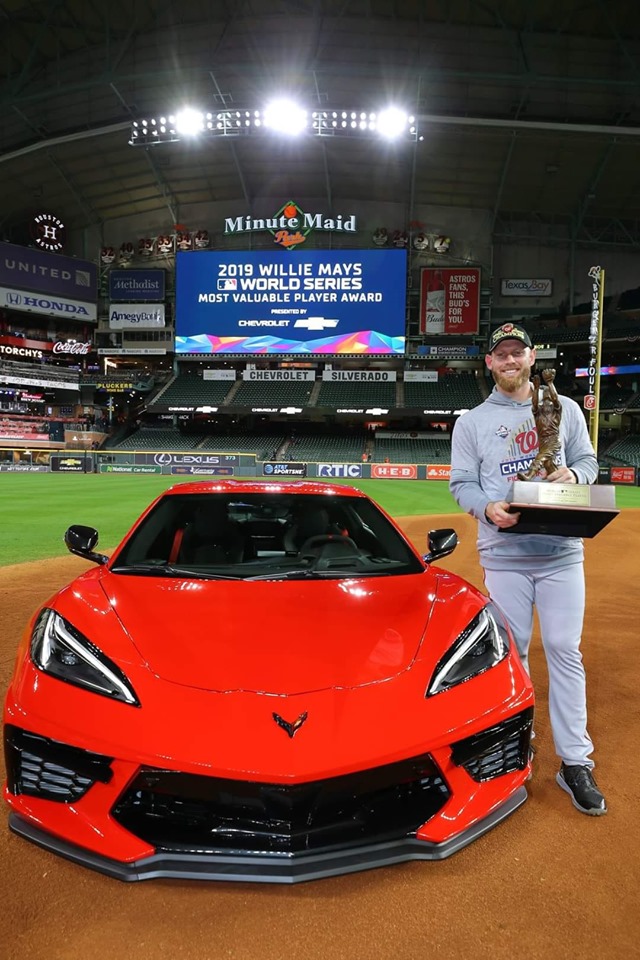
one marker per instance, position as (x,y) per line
(592,398)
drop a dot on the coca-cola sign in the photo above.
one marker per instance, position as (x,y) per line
(71,346)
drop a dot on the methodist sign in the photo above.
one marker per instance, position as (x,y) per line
(127,285)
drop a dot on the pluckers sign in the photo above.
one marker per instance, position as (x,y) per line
(449,300)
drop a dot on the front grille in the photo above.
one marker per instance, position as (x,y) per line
(185,811)
(40,767)
(497,750)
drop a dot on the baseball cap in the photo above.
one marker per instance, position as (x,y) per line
(509,331)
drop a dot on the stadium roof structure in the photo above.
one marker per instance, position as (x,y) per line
(529,111)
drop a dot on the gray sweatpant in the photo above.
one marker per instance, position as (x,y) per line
(559,598)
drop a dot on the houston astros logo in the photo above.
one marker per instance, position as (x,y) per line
(291,728)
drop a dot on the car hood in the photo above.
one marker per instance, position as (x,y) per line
(279,637)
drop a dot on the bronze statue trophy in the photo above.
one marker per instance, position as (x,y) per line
(547,413)
(560,509)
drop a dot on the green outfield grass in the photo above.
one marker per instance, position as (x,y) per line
(37,508)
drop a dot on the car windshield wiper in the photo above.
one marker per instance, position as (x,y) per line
(287,575)
(168,570)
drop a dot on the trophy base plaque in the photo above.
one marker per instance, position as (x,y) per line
(561,509)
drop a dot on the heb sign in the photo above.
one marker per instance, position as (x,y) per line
(438,471)
(449,301)
(394,471)
(623,475)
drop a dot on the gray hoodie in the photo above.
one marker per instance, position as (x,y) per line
(490,445)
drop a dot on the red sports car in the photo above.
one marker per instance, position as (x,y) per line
(265,681)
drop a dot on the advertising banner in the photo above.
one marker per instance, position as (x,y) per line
(48,304)
(394,471)
(352,471)
(275,469)
(526,288)
(125,285)
(362,376)
(127,468)
(307,302)
(280,375)
(438,471)
(71,464)
(449,300)
(189,459)
(623,475)
(448,353)
(26,268)
(136,316)
(203,471)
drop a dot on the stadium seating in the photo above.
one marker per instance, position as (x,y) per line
(263,446)
(624,451)
(357,393)
(266,393)
(428,450)
(328,448)
(448,393)
(190,389)
(155,438)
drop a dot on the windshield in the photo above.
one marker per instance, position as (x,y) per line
(265,536)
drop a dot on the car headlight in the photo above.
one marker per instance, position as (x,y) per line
(480,646)
(59,649)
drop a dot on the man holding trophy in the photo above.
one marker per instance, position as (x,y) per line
(525,431)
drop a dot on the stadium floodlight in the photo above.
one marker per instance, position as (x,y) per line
(189,122)
(281,116)
(285,116)
(392,123)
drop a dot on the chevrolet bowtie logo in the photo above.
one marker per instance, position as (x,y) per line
(291,728)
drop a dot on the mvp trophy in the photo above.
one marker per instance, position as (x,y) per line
(560,509)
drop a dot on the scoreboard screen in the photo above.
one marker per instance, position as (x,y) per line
(275,302)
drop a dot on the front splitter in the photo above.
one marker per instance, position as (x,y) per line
(267,868)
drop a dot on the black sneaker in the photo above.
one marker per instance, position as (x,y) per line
(582,788)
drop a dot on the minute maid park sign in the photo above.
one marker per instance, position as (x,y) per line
(290,226)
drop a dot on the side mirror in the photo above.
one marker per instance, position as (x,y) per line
(81,540)
(441,544)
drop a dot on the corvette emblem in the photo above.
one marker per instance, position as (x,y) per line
(291,728)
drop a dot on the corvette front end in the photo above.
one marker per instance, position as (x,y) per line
(283,719)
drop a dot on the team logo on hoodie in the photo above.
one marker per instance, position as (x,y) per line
(502,432)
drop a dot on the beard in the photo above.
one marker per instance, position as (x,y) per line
(512,384)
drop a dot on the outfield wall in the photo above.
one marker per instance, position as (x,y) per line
(210,464)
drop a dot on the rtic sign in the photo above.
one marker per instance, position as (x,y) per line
(348,470)
(394,471)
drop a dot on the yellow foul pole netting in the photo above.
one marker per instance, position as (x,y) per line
(592,398)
